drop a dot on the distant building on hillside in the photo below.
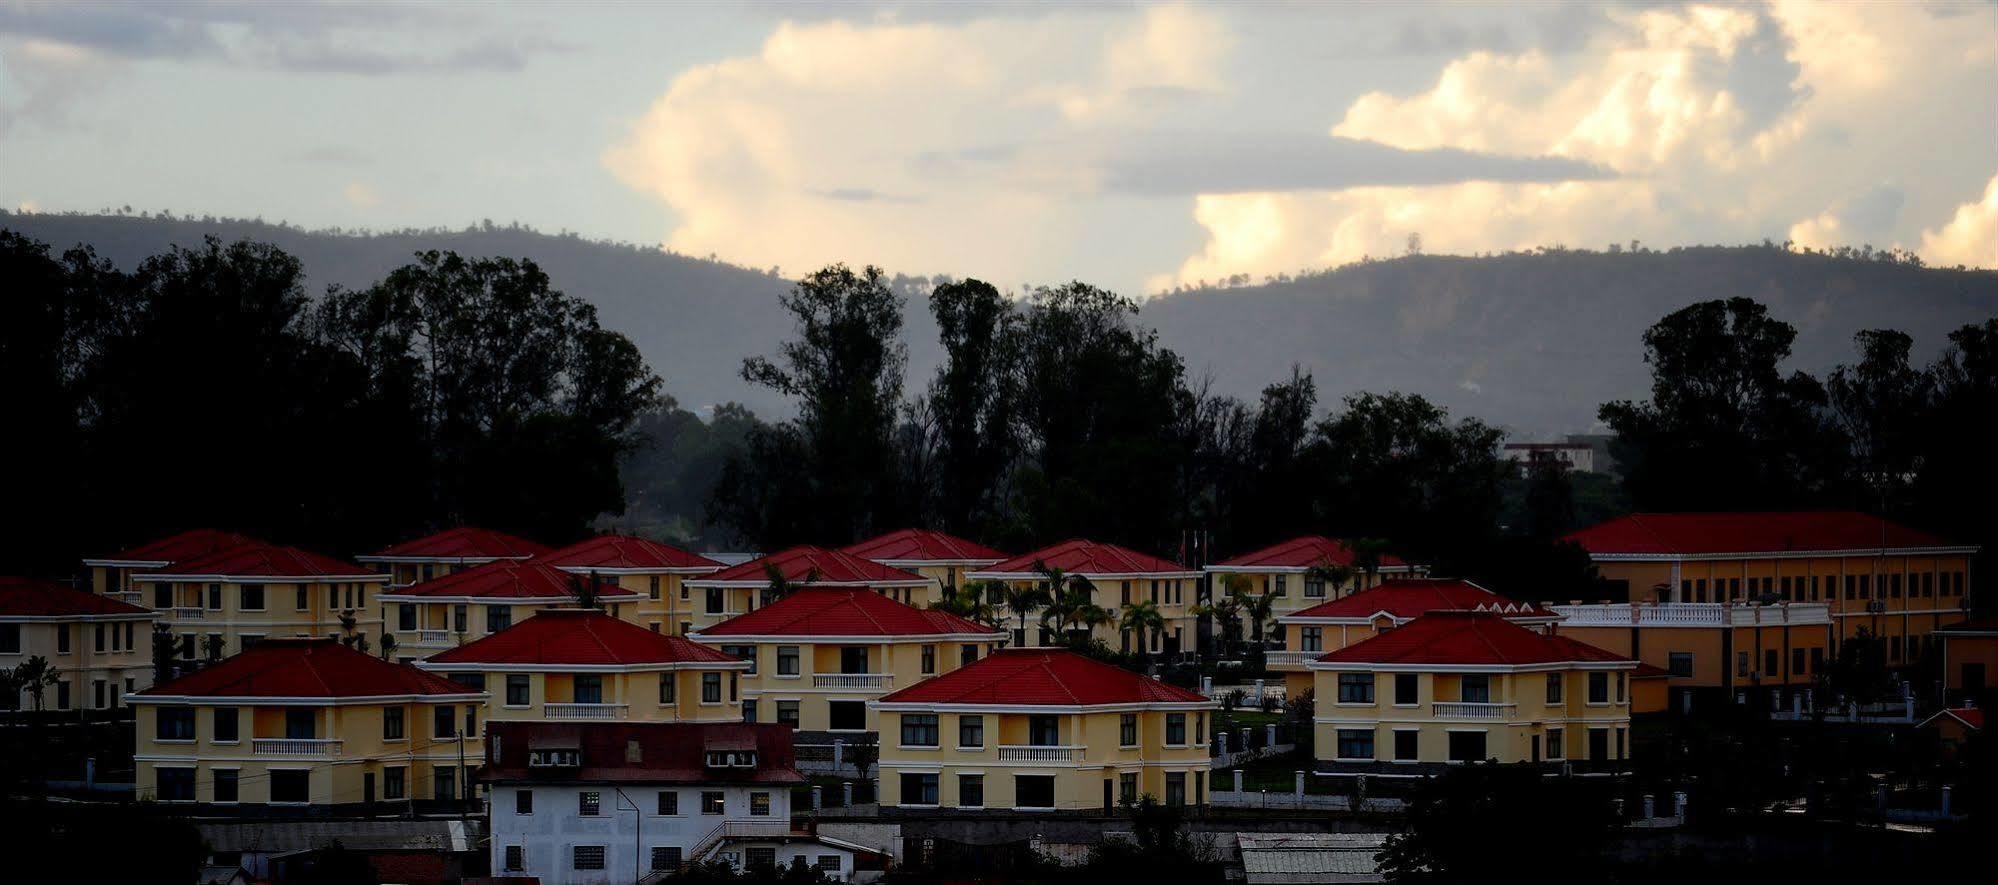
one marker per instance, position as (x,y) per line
(1575,456)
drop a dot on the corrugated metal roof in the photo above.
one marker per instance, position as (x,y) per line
(279,837)
(1310,857)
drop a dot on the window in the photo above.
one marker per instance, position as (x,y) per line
(589,688)
(1405,690)
(971,791)
(787,660)
(1356,743)
(1175,788)
(710,688)
(225,725)
(1598,744)
(970,731)
(1741,663)
(460,618)
(714,600)
(1282,586)
(967,655)
(395,782)
(742,653)
(1467,746)
(759,805)
(523,802)
(251,598)
(174,784)
(664,857)
(62,638)
(1311,639)
(1127,730)
(1554,683)
(1556,743)
(1598,687)
(225,785)
(919,730)
(787,713)
(759,857)
(846,715)
(97,693)
(929,660)
(516,690)
(1127,787)
(174,724)
(589,803)
(1313,588)
(1033,791)
(291,785)
(473,681)
(1175,732)
(1356,688)
(162,596)
(444,782)
(652,586)
(668,803)
(98,643)
(587,857)
(516,858)
(1405,745)
(405,616)
(1771,663)
(749,711)
(852,659)
(1477,689)
(712,802)
(829,863)
(669,692)
(498,617)
(1679,663)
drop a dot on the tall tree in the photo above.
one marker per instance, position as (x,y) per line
(1395,465)
(971,401)
(1881,402)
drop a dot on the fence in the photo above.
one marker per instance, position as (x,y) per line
(1249,743)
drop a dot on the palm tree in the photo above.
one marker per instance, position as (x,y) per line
(1367,553)
(162,654)
(1021,600)
(10,690)
(1093,616)
(213,644)
(967,602)
(1142,618)
(1227,614)
(388,644)
(1256,610)
(1330,574)
(36,676)
(781,586)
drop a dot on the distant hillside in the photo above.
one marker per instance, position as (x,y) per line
(1532,341)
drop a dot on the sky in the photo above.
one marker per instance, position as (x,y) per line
(1141,147)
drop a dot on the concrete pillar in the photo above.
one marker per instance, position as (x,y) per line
(1880,800)
(1679,805)
(846,794)
(1650,805)
(1238,780)
(1300,784)
(839,752)
(818,797)
(1207,685)
(1222,743)
(1360,788)
(1245,738)
(1269,731)
(1259,692)
(1797,704)
(1810,703)
(1945,800)
(1616,808)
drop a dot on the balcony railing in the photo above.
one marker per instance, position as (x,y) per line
(135,597)
(297,748)
(1291,658)
(853,680)
(1693,614)
(594,712)
(189,613)
(1021,753)
(1465,710)
(433,637)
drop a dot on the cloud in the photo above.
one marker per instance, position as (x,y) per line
(45,79)
(361,195)
(1186,163)
(1970,237)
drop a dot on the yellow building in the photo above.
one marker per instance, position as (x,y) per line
(1337,623)
(464,606)
(226,601)
(655,572)
(1969,659)
(1294,573)
(942,558)
(111,575)
(99,648)
(1889,580)
(1119,577)
(745,587)
(1765,654)
(308,726)
(819,655)
(1042,729)
(1465,686)
(580,664)
(449,552)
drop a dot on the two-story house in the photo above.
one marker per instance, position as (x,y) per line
(1336,623)
(98,647)
(447,612)
(593,802)
(567,664)
(448,552)
(1306,571)
(943,558)
(1467,686)
(307,726)
(229,600)
(819,655)
(1120,577)
(656,572)
(747,586)
(111,575)
(1032,729)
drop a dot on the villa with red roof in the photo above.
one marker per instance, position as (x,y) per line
(1042,730)
(742,588)
(1121,577)
(307,726)
(111,574)
(1455,686)
(452,550)
(1305,571)
(460,607)
(1337,623)
(656,572)
(223,602)
(942,558)
(819,654)
(99,648)
(581,664)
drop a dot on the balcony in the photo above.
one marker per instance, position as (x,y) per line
(1474,711)
(1295,659)
(853,680)
(189,613)
(1020,753)
(583,712)
(433,637)
(1693,614)
(297,748)
(135,597)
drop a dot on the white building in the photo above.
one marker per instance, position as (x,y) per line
(605,802)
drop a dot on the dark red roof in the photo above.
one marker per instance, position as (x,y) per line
(35,598)
(1685,534)
(813,567)
(186,545)
(1465,637)
(1978,627)
(1089,559)
(844,612)
(1041,677)
(910,546)
(576,636)
(1300,553)
(625,552)
(507,579)
(1413,598)
(461,543)
(666,752)
(304,668)
(261,560)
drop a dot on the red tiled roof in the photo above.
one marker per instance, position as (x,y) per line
(1089,559)
(812,567)
(261,560)
(506,579)
(1300,553)
(1685,534)
(1971,717)
(186,545)
(667,752)
(910,546)
(1466,637)
(624,552)
(572,637)
(1041,677)
(304,668)
(844,612)
(1413,598)
(462,543)
(35,598)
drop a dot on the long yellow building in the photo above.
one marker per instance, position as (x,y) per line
(98,647)
(1042,729)
(1119,577)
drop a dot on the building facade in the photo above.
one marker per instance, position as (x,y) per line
(944,559)
(98,647)
(655,572)
(1309,633)
(449,552)
(1119,577)
(1040,730)
(227,601)
(111,575)
(743,588)
(465,606)
(1301,572)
